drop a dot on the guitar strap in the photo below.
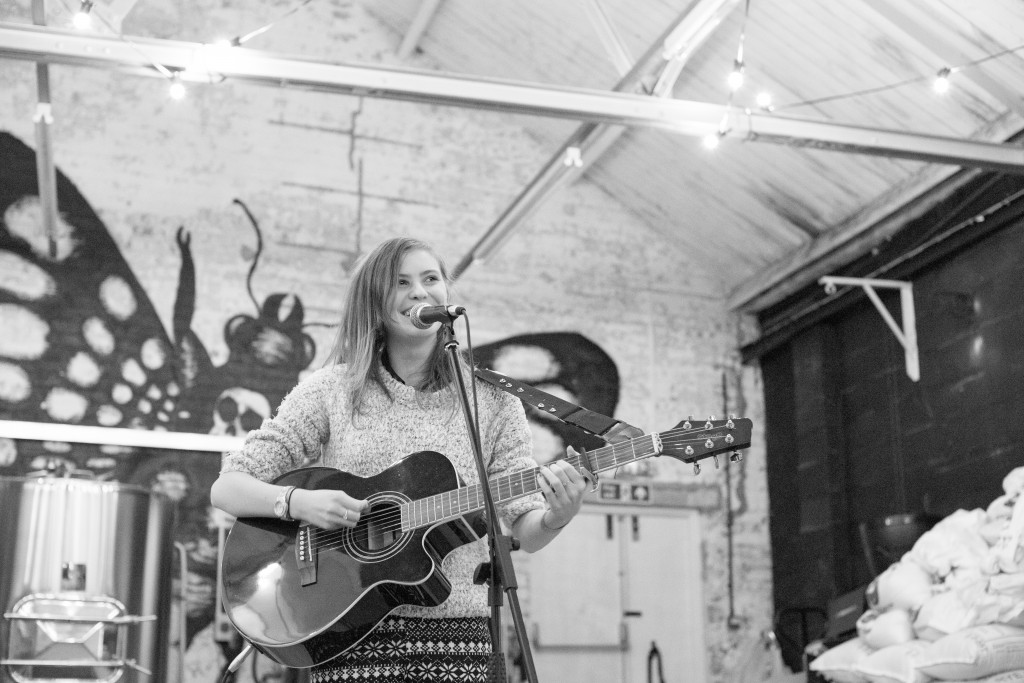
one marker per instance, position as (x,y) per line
(601,426)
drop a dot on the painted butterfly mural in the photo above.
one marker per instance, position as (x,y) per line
(81,343)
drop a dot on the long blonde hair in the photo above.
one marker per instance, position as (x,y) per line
(362,332)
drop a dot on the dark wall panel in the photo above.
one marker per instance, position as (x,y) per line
(852,438)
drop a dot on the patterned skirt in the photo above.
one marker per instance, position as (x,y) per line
(407,649)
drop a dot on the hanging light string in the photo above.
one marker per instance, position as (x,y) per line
(942,75)
(848,95)
(738,66)
(735,81)
(177,88)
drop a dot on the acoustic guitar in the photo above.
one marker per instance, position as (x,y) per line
(303,595)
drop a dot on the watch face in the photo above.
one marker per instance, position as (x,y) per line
(279,507)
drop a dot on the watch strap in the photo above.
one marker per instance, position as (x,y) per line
(288,504)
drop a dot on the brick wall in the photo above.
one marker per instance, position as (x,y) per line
(327,176)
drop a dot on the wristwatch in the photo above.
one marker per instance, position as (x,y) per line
(282,506)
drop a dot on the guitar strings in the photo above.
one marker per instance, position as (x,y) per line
(388,521)
(384,521)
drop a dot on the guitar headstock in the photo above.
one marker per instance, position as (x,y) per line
(693,439)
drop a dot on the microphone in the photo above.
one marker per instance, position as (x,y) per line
(423,316)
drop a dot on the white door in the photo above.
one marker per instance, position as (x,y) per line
(575,608)
(664,598)
(611,585)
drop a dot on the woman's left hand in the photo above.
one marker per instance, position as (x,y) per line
(563,488)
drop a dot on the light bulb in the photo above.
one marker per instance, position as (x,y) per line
(82,19)
(736,76)
(735,80)
(573,157)
(176,90)
(941,82)
(764,101)
(711,140)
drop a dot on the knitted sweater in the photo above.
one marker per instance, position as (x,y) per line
(314,423)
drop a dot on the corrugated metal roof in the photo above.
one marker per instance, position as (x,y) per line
(761,213)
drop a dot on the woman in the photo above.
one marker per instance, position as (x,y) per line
(391,391)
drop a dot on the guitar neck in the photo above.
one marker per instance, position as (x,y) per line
(467,499)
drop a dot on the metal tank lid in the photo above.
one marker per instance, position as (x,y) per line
(60,471)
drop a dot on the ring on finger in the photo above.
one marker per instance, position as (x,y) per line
(346,514)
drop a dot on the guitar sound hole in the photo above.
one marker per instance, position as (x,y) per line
(382,526)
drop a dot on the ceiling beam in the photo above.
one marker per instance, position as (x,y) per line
(613,45)
(673,47)
(424,14)
(872,225)
(835,248)
(198,62)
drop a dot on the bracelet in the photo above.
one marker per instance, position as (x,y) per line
(288,504)
(544,524)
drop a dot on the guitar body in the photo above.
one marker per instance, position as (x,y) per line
(302,611)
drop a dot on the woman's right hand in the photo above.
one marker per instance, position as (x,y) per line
(326,508)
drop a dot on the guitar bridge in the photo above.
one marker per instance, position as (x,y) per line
(305,556)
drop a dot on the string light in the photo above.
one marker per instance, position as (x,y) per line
(82,19)
(735,79)
(573,157)
(736,75)
(941,82)
(177,89)
(712,140)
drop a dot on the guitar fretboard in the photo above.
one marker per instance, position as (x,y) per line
(461,501)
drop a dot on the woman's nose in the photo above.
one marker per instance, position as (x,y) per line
(417,291)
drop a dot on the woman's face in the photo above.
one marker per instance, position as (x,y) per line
(419,282)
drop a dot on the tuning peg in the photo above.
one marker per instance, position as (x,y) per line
(729,424)
(736,456)
(708,425)
(696,468)
(687,425)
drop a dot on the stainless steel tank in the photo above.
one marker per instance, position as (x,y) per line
(85,580)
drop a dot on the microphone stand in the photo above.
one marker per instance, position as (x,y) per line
(499,573)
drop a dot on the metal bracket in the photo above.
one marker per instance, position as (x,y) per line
(907,336)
